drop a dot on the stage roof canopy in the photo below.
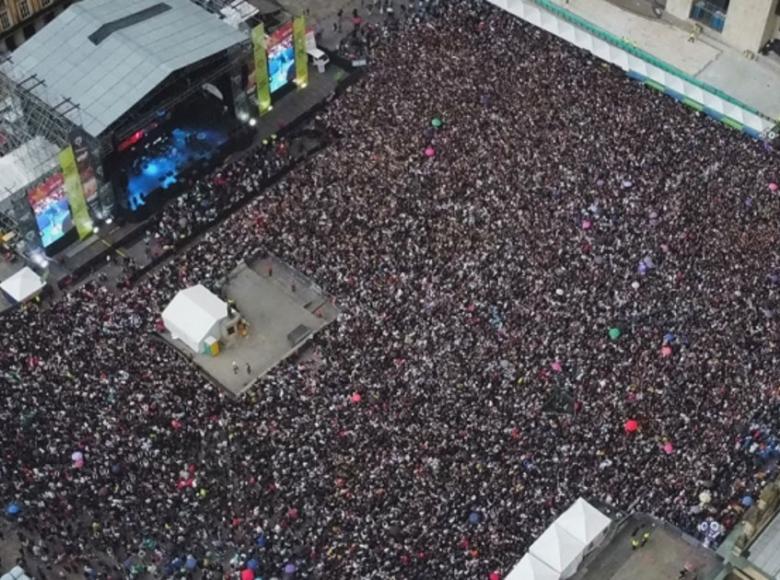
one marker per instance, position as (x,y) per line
(106,55)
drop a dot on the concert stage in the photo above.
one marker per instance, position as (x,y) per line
(284,310)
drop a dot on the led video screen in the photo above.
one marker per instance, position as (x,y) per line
(49,203)
(281,57)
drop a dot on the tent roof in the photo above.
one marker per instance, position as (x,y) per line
(106,55)
(22,285)
(195,310)
(583,521)
(557,548)
(531,568)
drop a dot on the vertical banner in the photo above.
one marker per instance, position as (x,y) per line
(75,192)
(261,69)
(301,59)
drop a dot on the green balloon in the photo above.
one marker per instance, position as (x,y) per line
(614,333)
(436,122)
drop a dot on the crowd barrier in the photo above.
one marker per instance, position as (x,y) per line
(642,66)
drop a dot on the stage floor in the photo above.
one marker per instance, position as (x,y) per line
(275,306)
(161,169)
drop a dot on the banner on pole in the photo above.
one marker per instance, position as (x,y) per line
(75,192)
(261,69)
(301,59)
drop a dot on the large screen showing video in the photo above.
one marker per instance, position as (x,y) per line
(50,206)
(281,57)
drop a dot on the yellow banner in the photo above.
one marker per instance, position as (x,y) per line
(75,191)
(261,69)
(301,59)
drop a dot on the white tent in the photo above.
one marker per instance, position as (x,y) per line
(531,568)
(559,550)
(194,315)
(584,522)
(23,285)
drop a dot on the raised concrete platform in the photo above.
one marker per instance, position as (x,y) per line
(284,310)
(663,556)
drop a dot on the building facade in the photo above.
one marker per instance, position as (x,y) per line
(743,24)
(21,19)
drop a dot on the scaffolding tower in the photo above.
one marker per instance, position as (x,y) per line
(34,132)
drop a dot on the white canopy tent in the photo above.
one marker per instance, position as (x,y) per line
(23,285)
(584,522)
(559,550)
(195,314)
(531,568)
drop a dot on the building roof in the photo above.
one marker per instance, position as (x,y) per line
(106,55)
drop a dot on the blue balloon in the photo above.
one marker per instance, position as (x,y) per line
(252,564)
(13,509)
(475,518)
(747,501)
(191,563)
(261,540)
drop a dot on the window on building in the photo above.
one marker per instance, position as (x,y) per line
(5,21)
(10,43)
(711,13)
(45,3)
(29,31)
(24,8)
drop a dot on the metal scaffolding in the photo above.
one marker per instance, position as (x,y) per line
(24,114)
(34,132)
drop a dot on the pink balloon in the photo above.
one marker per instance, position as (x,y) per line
(668,447)
(356,398)
(666,351)
(773,186)
(556,366)
(586,224)
(430,151)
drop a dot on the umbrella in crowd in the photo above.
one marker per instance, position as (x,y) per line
(474,301)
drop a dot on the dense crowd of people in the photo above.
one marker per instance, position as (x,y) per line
(561,253)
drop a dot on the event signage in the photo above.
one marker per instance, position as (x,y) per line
(301,62)
(85,156)
(75,192)
(261,69)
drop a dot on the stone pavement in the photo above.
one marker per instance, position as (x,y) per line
(663,556)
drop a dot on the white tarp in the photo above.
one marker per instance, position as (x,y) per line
(584,522)
(559,550)
(23,285)
(193,315)
(531,568)
(25,164)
